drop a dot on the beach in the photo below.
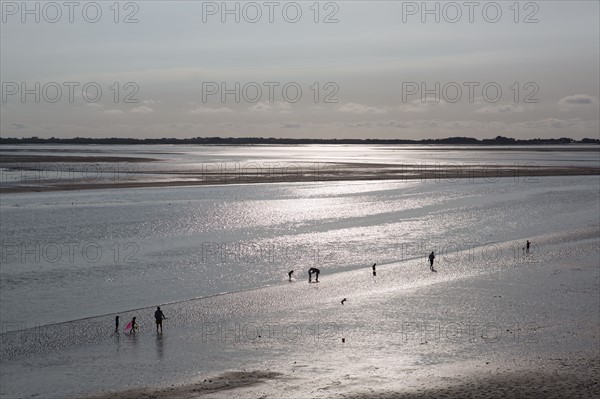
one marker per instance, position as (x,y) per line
(494,321)
(494,328)
(300,200)
(576,377)
(545,347)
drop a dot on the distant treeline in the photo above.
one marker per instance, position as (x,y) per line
(499,140)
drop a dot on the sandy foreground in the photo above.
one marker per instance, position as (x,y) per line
(43,173)
(552,351)
(559,378)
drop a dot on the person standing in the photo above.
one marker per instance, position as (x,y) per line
(431,258)
(374,271)
(159,316)
(117,323)
(527,246)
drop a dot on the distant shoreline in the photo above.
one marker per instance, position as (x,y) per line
(499,140)
(575,147)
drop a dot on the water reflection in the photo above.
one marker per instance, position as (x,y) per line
(160,348)
(132,341)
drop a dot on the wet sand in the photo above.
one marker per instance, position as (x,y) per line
(562,378)
(11,159)
(226,382)
(559,358)
(28,173)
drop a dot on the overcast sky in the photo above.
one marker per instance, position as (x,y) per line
(377,69)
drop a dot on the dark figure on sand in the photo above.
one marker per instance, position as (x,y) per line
(159,316)
(290,274)
(374,271)
(343,300)
(310,273)
(527,246)
(431,258)
(133,326)
(117,324)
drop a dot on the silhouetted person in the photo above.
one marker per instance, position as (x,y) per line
(133,326)
(431,258)
(527,246)
(343,300)
(158,317)
(310,273)
(290,274)
(374,271)
(117,323)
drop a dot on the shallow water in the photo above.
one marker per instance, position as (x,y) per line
(72,255)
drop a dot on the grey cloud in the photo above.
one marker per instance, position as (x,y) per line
(569,102)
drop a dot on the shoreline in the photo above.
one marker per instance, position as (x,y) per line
(499,141)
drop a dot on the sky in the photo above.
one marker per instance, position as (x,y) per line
(303,69)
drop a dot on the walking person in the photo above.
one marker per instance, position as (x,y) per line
(431,258)
(159,316)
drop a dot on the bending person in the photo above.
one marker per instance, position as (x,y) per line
(310,273)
